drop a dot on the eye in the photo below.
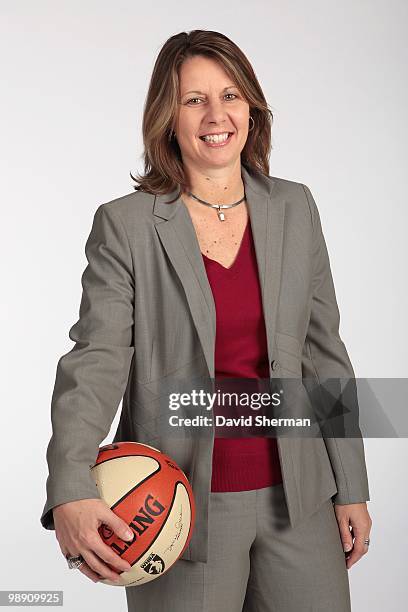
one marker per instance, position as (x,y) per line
(231,94)
(188,101)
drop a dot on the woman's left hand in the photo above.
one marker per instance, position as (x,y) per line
(357,517)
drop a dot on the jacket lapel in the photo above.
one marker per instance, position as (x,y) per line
(178,237)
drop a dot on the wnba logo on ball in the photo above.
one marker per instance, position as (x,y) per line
(153,564)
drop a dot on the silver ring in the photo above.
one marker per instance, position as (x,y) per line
(74,562)
(367,542)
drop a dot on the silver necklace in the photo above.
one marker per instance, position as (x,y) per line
(220,214)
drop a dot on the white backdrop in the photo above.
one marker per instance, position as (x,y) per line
(73,81)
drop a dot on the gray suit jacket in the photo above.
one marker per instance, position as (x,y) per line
(147,314)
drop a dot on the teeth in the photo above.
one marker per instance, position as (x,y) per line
(216,138)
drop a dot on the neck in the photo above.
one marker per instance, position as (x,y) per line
(215,185)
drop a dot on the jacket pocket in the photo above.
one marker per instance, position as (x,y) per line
(149,401)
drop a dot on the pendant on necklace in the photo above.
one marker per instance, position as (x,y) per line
(220,214)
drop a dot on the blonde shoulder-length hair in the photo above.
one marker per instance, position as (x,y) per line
(163,167)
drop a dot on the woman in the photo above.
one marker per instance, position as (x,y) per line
(212,267)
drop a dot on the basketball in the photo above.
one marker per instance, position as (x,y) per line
(149,491)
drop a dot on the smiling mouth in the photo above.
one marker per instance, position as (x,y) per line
(216,138)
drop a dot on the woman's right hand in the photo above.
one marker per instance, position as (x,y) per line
(76,528)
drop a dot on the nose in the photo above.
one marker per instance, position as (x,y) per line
(216,112)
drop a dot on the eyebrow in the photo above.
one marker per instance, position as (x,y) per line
(202,93)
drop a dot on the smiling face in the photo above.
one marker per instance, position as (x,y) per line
(210,103)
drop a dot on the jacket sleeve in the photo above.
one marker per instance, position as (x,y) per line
(325,358)
(91,378)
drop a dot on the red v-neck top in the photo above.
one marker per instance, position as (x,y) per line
(241,464)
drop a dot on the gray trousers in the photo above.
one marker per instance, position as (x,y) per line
(257,562)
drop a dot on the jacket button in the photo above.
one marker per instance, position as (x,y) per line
(275,365)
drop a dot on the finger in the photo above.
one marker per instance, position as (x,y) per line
(352,558)
(118,525)
(99,567)
(366,546)
(87,571)
(359,549)
(359,542)
(346,536)
(366,537)
(104,552)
